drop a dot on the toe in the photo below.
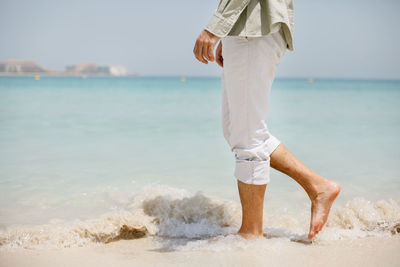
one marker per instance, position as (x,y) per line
(320,226)
(317,225)
(311,232)
(311,235)
(313,229)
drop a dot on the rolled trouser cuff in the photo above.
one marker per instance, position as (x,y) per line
(253,171)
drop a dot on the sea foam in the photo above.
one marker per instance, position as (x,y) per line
(171,214)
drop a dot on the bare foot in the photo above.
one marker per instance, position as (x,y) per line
(321,205)
(249,235)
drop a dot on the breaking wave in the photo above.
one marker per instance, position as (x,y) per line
(164,212)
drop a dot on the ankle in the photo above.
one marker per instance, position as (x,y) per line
(250,236)
(251,230)
(317,187)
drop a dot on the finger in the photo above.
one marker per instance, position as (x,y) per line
(204,52)
(199,52)
(219,61)
(218,56)
(205,45)
(195,49)
(211,51)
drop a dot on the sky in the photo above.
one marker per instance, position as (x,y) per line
(332,39)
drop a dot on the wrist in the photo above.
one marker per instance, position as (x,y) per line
(211,35)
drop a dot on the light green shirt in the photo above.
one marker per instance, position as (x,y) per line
(253,18)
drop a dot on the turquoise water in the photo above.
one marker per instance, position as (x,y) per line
(74,148)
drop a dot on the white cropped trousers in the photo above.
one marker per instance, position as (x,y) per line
(247,76)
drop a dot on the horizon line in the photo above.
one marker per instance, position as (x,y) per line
(136,75)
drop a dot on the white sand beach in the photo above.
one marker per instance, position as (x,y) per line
(372,251)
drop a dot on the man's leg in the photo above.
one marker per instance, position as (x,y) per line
(252,199)
(322,192)
(248,73)
(251,195)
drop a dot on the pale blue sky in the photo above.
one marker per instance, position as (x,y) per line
(352,39)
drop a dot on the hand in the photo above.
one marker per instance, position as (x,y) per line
(218,55)
(204,47)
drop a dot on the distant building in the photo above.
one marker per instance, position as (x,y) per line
(91,68)
(20,66)
(10,67)
(118,70)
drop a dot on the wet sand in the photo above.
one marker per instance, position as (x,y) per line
(370,251)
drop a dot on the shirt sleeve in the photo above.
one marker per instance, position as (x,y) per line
(225,16)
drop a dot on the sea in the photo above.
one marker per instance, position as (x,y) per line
(82,156)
